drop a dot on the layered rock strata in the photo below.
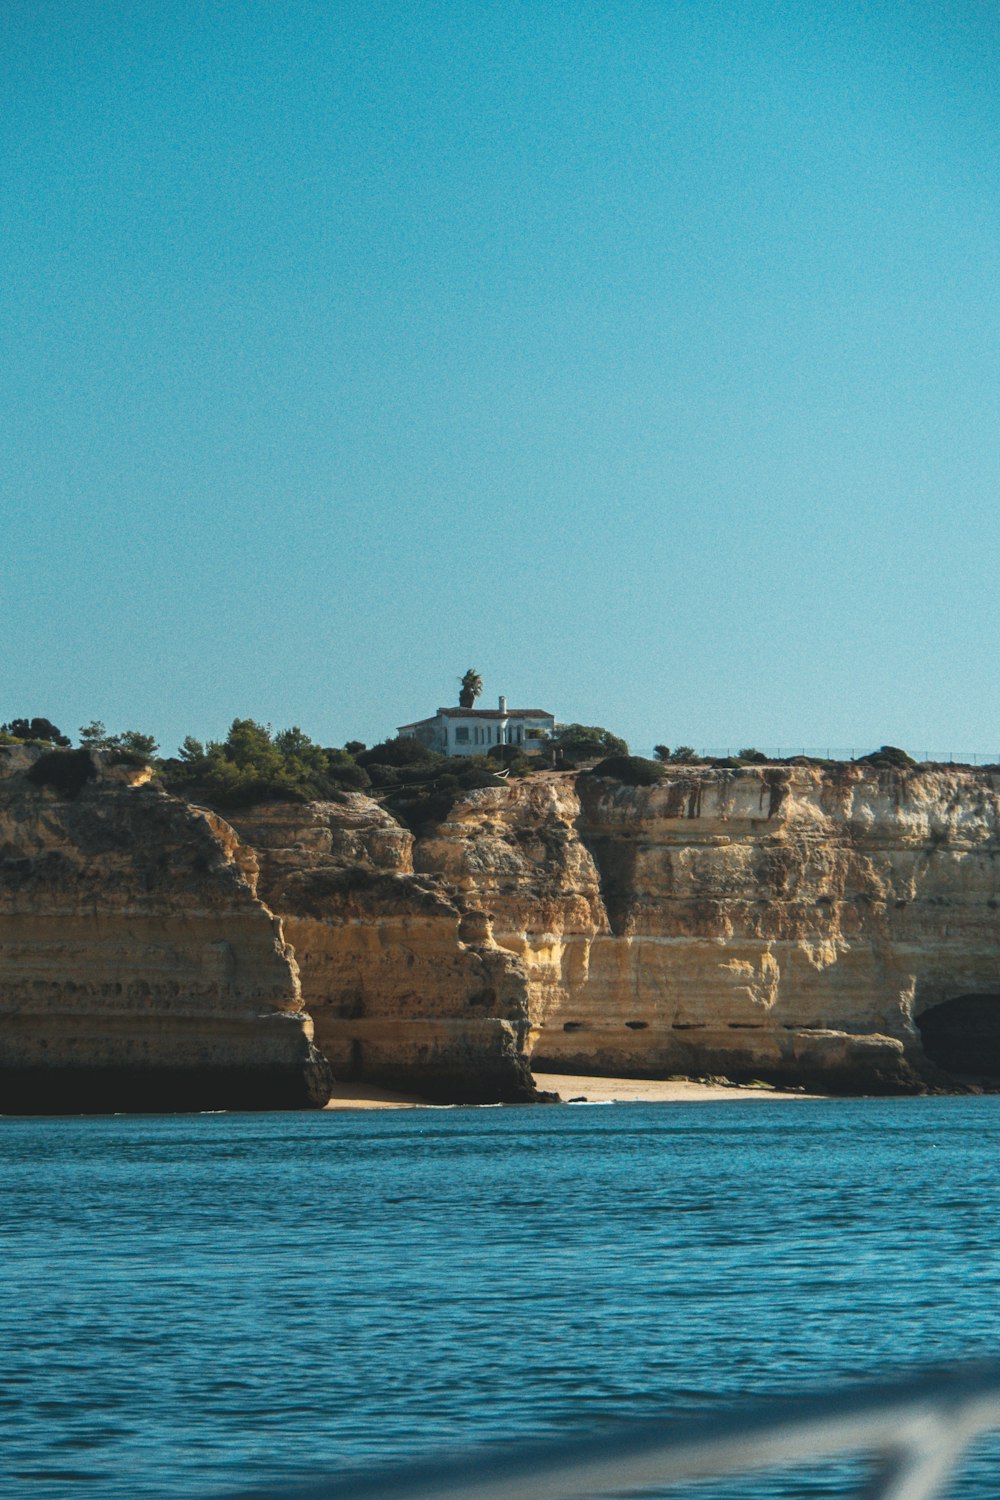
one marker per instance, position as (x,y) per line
(403,979)
(836,927)
(139,970)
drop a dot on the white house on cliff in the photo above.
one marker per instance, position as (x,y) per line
(472,731)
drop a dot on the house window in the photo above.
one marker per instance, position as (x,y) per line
(461,735)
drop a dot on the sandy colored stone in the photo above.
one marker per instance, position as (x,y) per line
(138,966)
(405,983)
(788,924)
(791,923)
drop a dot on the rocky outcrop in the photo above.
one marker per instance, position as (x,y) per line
(138,967)
(515,852)
(836,927)
(403,979)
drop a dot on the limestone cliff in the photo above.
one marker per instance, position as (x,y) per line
(836,927)
(404,982)
(830,926)
(138,967)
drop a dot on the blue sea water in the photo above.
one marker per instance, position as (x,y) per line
(193,1303)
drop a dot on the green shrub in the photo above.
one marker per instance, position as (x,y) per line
(421,813)
(34,731)
(502,754)
(142,747)
(401,751)
(343,770)
(516,760)
(474,780)
(888,757)
(251,765)
(351,778)
(126,757)
(510,757)
(424,807)
(382,776)
(630,770)
(684,756)
(66,771)
(587,741)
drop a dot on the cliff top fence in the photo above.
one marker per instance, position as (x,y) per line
(913,1435)
(923,757)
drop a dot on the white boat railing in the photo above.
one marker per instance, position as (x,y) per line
(914,1433)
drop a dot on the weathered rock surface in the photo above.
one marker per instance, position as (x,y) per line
(796,924)
(837,928)
(138,968)
(404,982)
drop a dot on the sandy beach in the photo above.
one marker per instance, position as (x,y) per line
(574,1087)
(367,1096)
(578,1089)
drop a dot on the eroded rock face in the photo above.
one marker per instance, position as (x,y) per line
(138,967)
(835,928)
(405,983)
(516,853)
(788,923)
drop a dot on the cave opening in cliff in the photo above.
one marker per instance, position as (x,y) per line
(963,1035)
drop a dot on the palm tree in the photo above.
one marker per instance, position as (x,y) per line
(472,686)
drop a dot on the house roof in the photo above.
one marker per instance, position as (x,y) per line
(481,713)
(494,713)
(418,723)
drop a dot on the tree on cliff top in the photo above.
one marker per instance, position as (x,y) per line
(682,756)
(403,750)
(630,770)
(253,765)
(888,757)
(131,742)
(472,686)
(39,731)
(587,741)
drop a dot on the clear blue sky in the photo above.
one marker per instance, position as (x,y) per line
(643,356)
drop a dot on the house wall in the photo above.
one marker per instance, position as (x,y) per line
(474,736)
(459,735)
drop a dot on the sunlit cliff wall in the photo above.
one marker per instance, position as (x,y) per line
(835,927)
(138,968)
(404,982)
(791,923)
